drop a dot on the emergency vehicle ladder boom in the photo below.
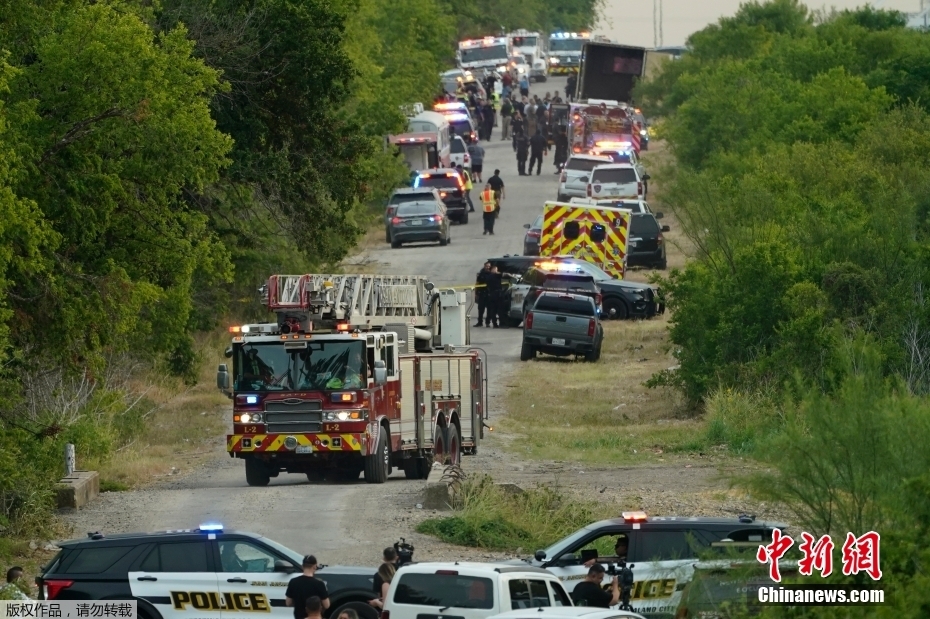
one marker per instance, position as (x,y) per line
(359,300)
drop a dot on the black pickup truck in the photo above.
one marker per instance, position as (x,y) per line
(562,324)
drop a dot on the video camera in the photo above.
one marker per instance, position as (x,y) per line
(624,574)
(404,552)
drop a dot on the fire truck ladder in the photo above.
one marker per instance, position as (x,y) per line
(359,300)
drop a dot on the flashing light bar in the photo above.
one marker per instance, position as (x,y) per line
(458,105)
(212,527)
(634,516)
(570,35)
(610,144)
(559,266)
(457,116)
(343,326)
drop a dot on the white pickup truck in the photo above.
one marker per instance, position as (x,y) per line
(465,590)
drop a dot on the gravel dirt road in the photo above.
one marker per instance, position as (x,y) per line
(351,523)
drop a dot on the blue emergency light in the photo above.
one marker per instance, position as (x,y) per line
(211,527)
(250,399)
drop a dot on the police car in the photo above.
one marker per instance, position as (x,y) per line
(204,573)
(661,552)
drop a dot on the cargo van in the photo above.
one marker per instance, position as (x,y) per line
(438,124)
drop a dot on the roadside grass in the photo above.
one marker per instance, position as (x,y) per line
(183,425)
(601,412)
(489,516)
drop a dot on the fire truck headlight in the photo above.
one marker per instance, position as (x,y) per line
(250,417)
(342,415)
(330,416)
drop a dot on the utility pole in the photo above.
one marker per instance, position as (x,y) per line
(661,19)
(655,23)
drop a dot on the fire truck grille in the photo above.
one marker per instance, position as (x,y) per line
(294,416)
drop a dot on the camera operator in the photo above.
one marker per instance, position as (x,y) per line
(620,550)
(589,592)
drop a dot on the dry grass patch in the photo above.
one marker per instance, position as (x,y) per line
(184,425)
(602,412)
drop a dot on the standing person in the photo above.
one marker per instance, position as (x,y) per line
(494,296)
(477,161)
(488,120)
(507,80)
(313,608)
(538,147)
(531,118)
(388,556)
(524,86)
(570,87)
(481,294)
(304,587)
(488,208)
(497,184)
(561,149)
(385,575)
(506,112)
(523,151)
(466,177)
(589,592)
(12,590)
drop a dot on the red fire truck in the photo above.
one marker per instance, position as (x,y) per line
(358,373)
(602,125)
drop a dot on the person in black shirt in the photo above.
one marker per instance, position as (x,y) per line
(483,296)
(538,147)
(497,185)
(303,587)
(590,593)
(495,286)
(389,556)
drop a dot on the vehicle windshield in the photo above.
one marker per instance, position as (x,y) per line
(461,127)
(442,182)
(401,198)
(584,165)
(566,45)
(269,366)
(576,306)
(644,226)
(621,176)
(518,59)
(592,269)
(566,544)
(458,146)
(415,208)
(445,591)
(524,41)
(478,54)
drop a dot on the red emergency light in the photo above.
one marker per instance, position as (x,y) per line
(634,516)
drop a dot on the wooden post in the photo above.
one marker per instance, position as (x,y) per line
(69,459)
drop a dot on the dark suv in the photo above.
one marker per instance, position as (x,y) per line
(403,195)
(646,245)
(621,298)
(185,573)
(451,188)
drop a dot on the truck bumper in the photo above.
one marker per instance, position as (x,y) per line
(571,347)
(303,444)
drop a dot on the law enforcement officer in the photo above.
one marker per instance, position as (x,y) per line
(301,589)
(589,592)
(495,288)
(482,295)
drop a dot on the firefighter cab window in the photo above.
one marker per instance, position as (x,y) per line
(277,366)
(572,230)
(387,355)
(180,557)
(240,556)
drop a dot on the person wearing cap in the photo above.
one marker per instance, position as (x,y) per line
(302,588)
(590,593)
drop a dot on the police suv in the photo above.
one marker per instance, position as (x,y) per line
(660,552)
(204,573)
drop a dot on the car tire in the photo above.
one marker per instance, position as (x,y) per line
(395,244)
(594,355)
(464,219)
(622,311)
(527,352)
(362,609)
(378,464)
(663,264)
(443,242)
(256,472)
(387,236)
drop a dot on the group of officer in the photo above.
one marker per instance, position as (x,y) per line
(489,294)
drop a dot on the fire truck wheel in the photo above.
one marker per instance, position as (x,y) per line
(417,468)
(455,445)
(256,473)
(378,464)
(316,475)
(440,454)
(619,307)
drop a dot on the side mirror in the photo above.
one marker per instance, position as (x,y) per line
(540,555)
(659,215)
(222,378)
(646,177)
(380,372)
(527,226)
(228,352)
(665,229)
(284,567)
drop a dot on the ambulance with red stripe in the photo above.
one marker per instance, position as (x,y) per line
(591,232)
(359,373)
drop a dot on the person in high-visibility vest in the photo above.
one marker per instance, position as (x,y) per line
(466,176)
(489,208)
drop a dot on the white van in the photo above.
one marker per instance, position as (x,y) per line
(436,123)
(470,590)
